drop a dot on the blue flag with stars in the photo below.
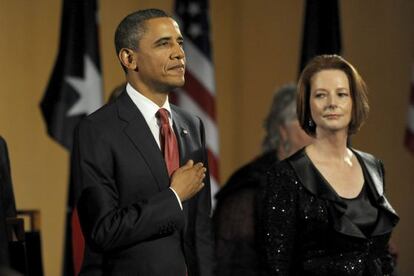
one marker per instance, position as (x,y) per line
(75,87)
(74,91)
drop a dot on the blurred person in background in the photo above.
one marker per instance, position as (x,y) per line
(237,214)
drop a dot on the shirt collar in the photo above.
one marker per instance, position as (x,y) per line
(147,107)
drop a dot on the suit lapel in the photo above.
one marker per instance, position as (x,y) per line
(140,135)
(314,182)
(182,134)
(311,178)
(387,217)
(370,167)
(181,130)
(375,179)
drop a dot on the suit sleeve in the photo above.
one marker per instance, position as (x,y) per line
(204,230)
(106,225)
(8,203)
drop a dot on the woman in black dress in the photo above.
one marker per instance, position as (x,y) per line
(326,212)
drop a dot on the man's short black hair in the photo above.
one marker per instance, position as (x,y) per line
(132,27)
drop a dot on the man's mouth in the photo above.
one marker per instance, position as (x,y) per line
(178,67)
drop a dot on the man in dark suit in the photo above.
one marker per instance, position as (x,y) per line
(142,163)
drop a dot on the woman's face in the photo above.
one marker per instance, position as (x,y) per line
(330,101)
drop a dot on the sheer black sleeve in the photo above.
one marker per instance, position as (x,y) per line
(280,219)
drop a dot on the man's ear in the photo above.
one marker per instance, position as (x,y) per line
(128,59)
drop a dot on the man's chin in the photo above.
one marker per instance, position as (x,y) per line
(172,86)
(177,84)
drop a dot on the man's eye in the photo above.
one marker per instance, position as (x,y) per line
(163,43)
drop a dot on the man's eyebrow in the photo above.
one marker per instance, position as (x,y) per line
(168,38)
(162,39)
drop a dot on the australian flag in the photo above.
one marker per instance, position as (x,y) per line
(75,88)
(74,91)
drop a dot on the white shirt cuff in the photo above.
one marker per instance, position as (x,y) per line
(178,198)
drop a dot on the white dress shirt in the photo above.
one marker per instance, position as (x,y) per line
(149,110)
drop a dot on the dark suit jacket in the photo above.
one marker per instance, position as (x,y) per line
(6,187)
(126,209)
(7,203)
(307,231)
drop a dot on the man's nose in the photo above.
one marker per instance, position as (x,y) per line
(178,52)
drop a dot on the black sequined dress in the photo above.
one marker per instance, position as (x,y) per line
(308,231)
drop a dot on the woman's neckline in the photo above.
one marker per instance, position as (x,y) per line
(326,182)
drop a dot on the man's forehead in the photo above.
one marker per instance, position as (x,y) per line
(161,25)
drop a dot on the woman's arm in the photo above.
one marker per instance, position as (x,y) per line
(280,219)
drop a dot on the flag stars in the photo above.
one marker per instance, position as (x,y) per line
(194,30)
(89,89)
(193,9)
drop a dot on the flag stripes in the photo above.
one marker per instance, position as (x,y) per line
(198,95)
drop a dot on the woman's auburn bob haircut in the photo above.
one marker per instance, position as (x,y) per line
(358,90)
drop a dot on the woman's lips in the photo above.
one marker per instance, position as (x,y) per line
(332,116)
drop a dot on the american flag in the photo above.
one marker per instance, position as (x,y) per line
(199,95)
(409,134)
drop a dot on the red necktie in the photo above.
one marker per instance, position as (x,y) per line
(168,142)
